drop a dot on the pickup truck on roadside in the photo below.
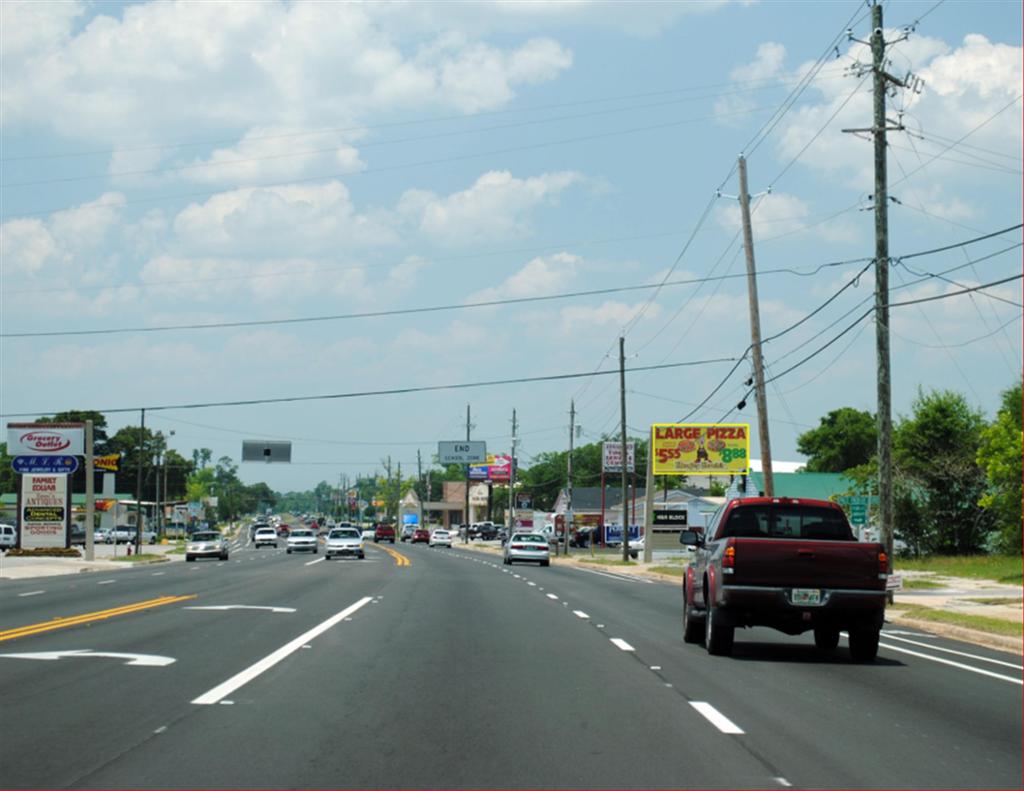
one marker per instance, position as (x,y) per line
(789,564)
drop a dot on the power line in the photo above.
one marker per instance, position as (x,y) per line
(394,391)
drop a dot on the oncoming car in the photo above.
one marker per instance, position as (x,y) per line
(527,546)
(264,536)
(302,539)
(344,541)
(440,538)
(207,544)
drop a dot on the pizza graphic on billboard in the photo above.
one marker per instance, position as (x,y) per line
(700,448)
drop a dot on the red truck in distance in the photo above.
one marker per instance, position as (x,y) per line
(788,564)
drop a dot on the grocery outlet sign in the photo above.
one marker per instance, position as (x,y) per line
(44,439)
(700,448)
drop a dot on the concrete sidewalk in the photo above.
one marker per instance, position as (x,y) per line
(14,568)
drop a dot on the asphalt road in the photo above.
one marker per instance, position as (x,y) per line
(286,671)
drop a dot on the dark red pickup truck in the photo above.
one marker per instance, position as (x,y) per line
(792,565)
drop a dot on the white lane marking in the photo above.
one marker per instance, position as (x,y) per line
(622,644)
(158,573)
(238,680)
(318,560)
(620,577)
(30,593)
(655,667)
(143,660)
(716,718)
(580,614)
(106,582)
(533,585)
(957,653)
(951,663)
(161,729)
(517,576)
(241,607)
(552,596)
(782,781)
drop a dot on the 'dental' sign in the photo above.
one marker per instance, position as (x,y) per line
(44,511)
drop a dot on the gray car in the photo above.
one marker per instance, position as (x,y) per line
(207,544)
(527,546)
(302,539)
(343,541)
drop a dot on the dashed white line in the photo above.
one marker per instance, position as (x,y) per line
(106,582)
(158,573)
(318,560)
(580,614)
(782,781)
(30,593)
(618,642)
(552,596)
(533,585)
(716,718)
(161,729)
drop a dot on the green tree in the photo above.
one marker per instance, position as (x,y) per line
(846,438)
(8,478)
(935,451)
(999,455)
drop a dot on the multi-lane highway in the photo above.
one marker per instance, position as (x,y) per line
(426,668)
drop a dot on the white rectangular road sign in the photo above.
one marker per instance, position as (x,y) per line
(462,452)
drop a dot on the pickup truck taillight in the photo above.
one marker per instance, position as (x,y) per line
(729,558)
(883,565)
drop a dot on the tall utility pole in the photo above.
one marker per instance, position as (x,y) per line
(755,335)
(90,492)
(512,480)
(465,535)
(398,495)
(622,402)
(387,491)
(419,476)
(568,488)
(138,487)
(884,418)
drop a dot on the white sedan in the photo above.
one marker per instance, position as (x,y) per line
(302,540)
(440,538)
(344,541)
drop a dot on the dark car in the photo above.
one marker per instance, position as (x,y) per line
(484,531)
(382,532)
(420,535)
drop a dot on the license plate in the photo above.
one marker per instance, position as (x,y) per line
(806,596)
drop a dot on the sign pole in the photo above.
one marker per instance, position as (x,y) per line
(90,492)
(649,505)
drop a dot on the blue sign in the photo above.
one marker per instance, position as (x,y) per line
(54,465)
(613,533)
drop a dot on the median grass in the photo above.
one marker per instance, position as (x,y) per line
(919,584)
(145,557)
(1007,569)
(977,622)
(599,561)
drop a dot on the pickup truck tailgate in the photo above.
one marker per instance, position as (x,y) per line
(786,562)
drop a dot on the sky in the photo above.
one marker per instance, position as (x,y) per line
(172,165)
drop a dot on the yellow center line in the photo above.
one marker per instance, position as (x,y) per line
(399,558)
(89,617)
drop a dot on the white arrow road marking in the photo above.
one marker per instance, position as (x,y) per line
(142,660)
(221,691)
(716,718)
(241,607)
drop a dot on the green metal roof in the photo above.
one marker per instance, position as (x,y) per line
(812,485)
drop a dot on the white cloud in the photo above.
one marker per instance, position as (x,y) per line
(26,245)
(496,206)
(766,65)
(282,220)
(778,214)
(584,319)
(540,276)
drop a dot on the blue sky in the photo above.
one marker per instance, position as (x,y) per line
(171,164)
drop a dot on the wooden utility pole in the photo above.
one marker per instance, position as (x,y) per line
(465,518)
(755,335)
(90,492)
(622,439)
(884,417)
(569,516)
(138,488)
(512,480)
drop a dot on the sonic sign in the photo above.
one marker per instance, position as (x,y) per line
(700,448)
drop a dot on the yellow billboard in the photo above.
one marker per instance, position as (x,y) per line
(700,448)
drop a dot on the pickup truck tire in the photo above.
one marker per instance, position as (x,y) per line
(718,637)
(864,644)
(826,638)
(693,625)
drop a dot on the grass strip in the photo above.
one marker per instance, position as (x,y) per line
(979,623)
(671,571)
(143,558)
(1008,569)
(917,584)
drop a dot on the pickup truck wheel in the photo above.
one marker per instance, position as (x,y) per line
(864,644)
(826,638)
(718,638)
(693,627)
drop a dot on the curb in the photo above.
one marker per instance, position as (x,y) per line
(988,640)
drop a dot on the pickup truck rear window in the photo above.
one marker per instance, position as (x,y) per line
(787,521)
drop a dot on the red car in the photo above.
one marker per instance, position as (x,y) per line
(283,530)
(383,532)
(420,534)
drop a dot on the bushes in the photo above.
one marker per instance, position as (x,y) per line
(45,552)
